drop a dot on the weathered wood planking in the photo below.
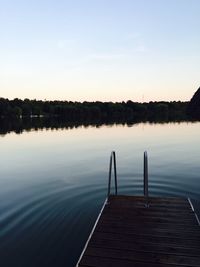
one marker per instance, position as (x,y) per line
(128,234)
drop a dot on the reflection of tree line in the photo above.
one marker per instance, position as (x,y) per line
(76,111)
(54,123)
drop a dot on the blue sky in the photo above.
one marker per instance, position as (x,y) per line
(100,50)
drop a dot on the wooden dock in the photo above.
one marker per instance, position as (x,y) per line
(128,234)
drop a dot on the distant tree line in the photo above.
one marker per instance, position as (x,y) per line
(77,111)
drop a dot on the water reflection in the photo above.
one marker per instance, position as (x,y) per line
(27,124)
(53,183)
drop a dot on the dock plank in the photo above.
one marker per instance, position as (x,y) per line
(155,257)
(129,234)
(145,247)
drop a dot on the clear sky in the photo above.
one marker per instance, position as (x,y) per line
(108,50)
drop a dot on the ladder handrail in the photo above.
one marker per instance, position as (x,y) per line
(112,159)
(146,185)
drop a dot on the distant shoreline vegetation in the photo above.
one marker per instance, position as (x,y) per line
(77,111)
(18,115)
(99,112)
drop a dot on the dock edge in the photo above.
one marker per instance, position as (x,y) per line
(93,229)
(192,207)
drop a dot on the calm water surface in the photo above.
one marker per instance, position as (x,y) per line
(53,183)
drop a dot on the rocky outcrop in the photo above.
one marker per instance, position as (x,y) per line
(194,105)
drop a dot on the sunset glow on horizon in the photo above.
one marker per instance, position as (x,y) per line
(100,50)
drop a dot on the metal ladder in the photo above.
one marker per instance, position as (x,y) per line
(145,176)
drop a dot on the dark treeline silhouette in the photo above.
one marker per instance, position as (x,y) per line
(25,115)
(89,111)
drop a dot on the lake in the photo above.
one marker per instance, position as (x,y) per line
(53,182)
